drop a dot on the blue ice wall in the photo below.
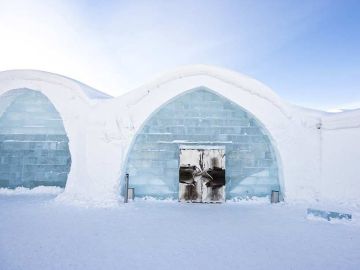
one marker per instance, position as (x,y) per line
(201,117)
(34,147)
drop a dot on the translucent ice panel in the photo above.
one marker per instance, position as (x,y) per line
(33,143)
(202,117)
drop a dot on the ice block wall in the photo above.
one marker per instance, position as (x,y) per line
(34,147)
(202,117)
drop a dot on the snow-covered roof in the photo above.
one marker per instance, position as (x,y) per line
(228,76)
(342,120)
(166,86)
(43,76)
(250,94)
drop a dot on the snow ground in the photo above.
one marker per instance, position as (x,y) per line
(38,233)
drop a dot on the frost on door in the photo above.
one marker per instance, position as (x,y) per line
(202,175)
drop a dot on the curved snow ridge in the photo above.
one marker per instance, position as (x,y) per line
(241,81)
(44,76)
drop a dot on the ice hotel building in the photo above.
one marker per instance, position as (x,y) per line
(198,133)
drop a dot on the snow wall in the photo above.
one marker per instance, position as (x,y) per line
(317,153)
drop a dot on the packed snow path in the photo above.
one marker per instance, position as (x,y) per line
(37,233)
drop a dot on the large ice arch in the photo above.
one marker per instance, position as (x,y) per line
(201,116)
(34,147)
(74,101)
(280,119)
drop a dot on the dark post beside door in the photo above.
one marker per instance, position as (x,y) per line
(126,193)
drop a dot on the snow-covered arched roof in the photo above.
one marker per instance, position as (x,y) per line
(247,92)
(27,77)
(187,72)
(74,101)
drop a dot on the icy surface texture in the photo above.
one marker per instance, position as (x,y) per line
(328,215)
(34,147)
(201,117)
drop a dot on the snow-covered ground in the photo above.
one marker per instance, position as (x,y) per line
(38,233)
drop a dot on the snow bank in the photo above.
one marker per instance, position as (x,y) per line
(73,199)
(41,190)
(35,234)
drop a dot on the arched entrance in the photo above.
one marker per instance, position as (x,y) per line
(34,147)
(201,117)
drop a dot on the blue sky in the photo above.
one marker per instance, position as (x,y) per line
(308,52)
